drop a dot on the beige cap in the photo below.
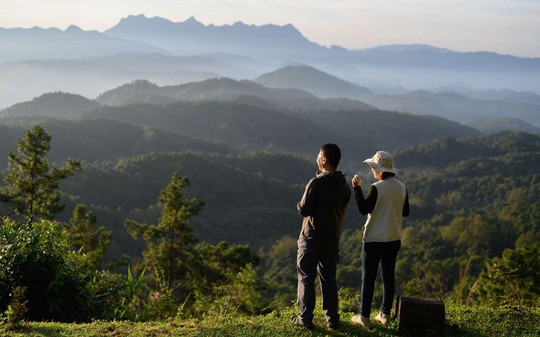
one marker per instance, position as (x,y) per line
(381,162)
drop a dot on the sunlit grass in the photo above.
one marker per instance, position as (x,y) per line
(460,321)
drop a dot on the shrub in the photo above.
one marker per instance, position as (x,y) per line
(240,294)
(34,255)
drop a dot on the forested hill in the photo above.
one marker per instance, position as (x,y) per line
(311,80)
(245,127)
(496,176)
(223,89)
(251,198)
(471,198)
(100,139)
(57,104)
(521,148)
(248,199)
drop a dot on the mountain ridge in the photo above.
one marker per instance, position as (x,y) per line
(56,104)
(193,37)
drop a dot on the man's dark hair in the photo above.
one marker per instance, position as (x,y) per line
(332,154)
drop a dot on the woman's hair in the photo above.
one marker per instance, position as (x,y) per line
(387,175)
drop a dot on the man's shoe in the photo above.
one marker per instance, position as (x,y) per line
(383,318)
(298,322)
(363,321)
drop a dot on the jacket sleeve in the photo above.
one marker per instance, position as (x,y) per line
(406,207)
(307,205)
(366,205)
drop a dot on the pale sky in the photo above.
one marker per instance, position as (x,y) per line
(502,26)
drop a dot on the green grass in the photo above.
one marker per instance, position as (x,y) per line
(460,321)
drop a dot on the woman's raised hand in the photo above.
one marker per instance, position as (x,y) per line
(356,180)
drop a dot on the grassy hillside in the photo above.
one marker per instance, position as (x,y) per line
(460,321)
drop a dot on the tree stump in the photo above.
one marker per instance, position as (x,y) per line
(419,314)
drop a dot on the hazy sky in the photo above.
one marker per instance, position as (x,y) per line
(503,26)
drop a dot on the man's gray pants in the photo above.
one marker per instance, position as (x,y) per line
(310,264)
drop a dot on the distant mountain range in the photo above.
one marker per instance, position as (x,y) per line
(192,61)
(301,87)
(267,42)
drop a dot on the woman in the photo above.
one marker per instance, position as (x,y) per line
(386,203)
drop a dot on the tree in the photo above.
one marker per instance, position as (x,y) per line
(84,237)
(31,183)
(169,248)
(513,278)
(218,261)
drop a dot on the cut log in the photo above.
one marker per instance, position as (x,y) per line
(419,314)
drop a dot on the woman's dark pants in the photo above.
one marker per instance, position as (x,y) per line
(375,254)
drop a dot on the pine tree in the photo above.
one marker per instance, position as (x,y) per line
(84,237)
(169,248)
(31,183)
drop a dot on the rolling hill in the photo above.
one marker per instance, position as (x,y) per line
(312,80)
(100,139)
(247,128)
(447,152)
(223,89)
(242,126)
(456,107)
(56,104)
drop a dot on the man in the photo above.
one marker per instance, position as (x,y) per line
(323,206)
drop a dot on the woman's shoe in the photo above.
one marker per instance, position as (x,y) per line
(363,321)
(383,318)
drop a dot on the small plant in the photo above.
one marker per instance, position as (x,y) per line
(15,314)
(414,287)
(239,294)
(349,300)
(131,302)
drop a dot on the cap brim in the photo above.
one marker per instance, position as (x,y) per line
(371,163)
(379,168)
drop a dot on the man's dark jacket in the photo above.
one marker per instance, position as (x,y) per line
(323,206)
